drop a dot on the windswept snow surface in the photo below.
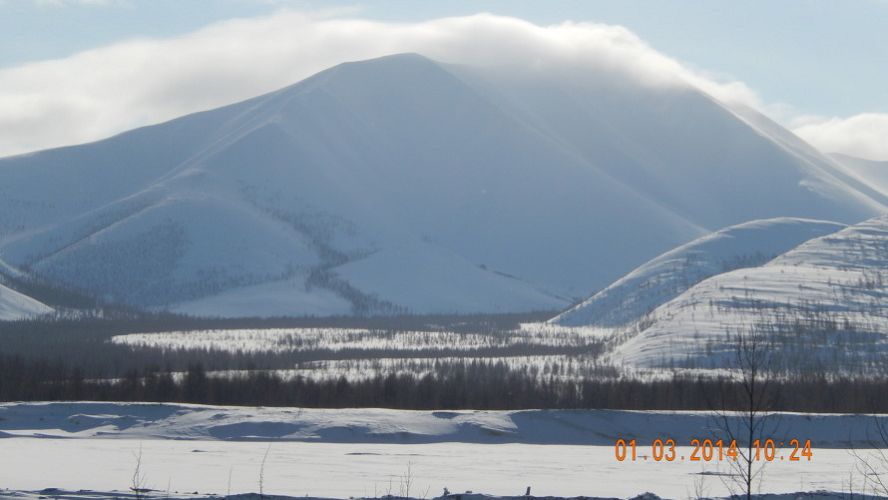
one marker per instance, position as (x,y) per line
(366,453)
(563,427)
(404,185)
(821,305)
(14,305)
(667,276)
(875,173)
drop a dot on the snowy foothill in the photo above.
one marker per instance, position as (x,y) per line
(15,305)
(819,304)
(667,276)
(823,303)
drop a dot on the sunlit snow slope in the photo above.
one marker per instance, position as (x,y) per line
(822,304)
(873,172)
(403,185)
(665,277)
(14,305)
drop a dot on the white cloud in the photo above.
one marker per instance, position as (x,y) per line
(106,90)
(864,135)
(75,3)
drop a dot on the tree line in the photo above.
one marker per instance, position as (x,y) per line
(478,384)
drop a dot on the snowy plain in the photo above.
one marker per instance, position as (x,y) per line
(345,470)
(369,452)
(299,339)
(360,353)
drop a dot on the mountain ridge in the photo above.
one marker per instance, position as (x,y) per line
(300,186)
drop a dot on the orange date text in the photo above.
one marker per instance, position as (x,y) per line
(712,450)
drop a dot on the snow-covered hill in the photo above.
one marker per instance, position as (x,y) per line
(667,276)
(823,304)
(401,184)
(14,305)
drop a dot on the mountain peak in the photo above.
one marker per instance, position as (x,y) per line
(527,188)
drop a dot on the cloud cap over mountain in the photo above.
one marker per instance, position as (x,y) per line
(99,92)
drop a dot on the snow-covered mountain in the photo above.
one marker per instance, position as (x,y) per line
(15,306)
(667,276)
(402,184)
(875,173)
(823,303)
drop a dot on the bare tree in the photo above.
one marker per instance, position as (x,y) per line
(873,465)
(137,484)
(228,492)
(262,472)
(744,420)
(699,492)
(406,481)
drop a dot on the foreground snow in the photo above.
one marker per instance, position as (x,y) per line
(345,470)
(370,453)
(57,493)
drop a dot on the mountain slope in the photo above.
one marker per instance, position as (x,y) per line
(534,189)
(823,303)
(678,146)
(874,173)
(15,306)
(667,276)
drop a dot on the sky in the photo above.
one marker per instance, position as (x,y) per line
(819,67)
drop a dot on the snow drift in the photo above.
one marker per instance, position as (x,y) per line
(87,420)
